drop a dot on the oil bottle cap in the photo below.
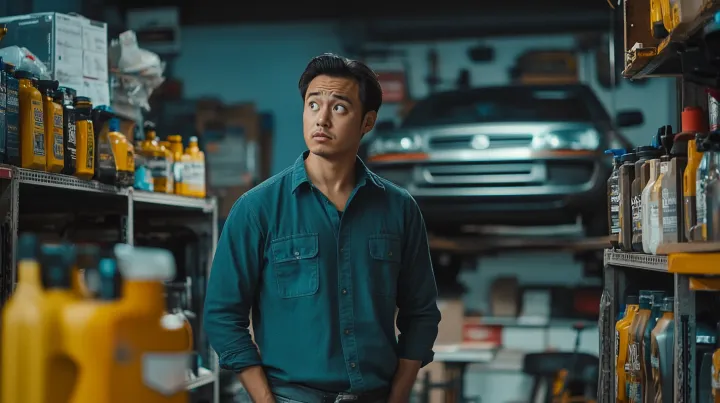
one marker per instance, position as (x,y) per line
(57,261)
(645,299)
(109,279)
(193,139)
(48,86)
(145,264)
(693,119)
(83,100)
(149,126)
(668,304)
(23,74)
(114,125)
(28,247)
(175,138)
(631,300)
(628,157)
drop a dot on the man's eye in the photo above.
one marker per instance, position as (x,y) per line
(313,105)
(340,108)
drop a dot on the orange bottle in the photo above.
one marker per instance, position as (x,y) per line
(194,170)
(36,368)
(85,137)
(176,147)
(53,114)
(22,352)
(155,158)
(622,334)
(156,353)
(635,380)
(32,123)
(88,329)
(169,160)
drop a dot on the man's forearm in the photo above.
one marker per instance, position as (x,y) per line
(256,384)
(404,380)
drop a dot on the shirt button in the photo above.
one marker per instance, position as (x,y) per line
(389,253)
(352,365)
(297,253)
(347,331)
(344,291)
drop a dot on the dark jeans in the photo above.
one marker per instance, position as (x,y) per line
(301,394)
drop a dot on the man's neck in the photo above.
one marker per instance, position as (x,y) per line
(331,176)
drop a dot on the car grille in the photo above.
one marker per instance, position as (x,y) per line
(464,141)
(484,174)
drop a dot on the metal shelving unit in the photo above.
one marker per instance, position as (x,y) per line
(623,268)
(25,192)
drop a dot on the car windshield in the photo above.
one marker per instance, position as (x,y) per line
(509,104)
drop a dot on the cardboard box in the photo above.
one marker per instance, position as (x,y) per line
(74,49)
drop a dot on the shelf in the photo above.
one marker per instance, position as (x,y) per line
(636,260)
(666,60)
(66,182)
(205,377)
(163,199)
(694,263)
(494,244)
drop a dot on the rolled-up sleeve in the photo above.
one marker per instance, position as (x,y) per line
(418,314)
(234,277)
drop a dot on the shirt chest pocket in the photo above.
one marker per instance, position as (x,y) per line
(385,261)
(295,265)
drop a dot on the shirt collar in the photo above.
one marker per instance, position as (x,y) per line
(364,175)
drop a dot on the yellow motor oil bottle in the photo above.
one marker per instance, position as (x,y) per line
(130,163)
(156,355)
(176,147)
(662,354)
(22,342)
(169,160)
(89,331)
(85,168)
(635,379)
(622,334)
(694,124)
(60,370)
(119,145)
(53,114)
(194,171)
(106,164)
(32,123)
(155,159)
(656,20)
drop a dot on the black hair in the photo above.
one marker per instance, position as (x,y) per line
(330,64)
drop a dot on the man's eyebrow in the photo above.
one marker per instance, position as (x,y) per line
(340,97)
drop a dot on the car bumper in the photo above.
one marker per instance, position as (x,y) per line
(486,186)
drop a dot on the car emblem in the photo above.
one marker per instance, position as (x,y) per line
(480,142)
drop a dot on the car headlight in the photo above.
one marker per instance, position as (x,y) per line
(570,139)
(400,144)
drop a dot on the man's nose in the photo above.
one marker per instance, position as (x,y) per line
(323,118)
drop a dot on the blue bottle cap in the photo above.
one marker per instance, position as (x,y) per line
(114,125)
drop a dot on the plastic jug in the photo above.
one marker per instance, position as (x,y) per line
(635,380)
(3,112)
(22,318)
(176,147)
(66,97)
(662,354)
(194,172)
(694,124)
(169,159)
(32,123)
(155,159)
(106,161)
(626,177)
(53,114)
(708,171)
(613,195)
(91,339)
(155,364)
(85,168)
(673,217)
(656,305)
(12,116)
(645,154)
(622,333)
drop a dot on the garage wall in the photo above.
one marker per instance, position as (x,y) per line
(263,63)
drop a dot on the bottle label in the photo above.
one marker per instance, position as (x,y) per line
(615,208)
(617,354)
(700,206)
(715,379)
(57,143)
(38,131)
(636,203)
(106,159)
(12,120)
(194,175)
(158,167)
(165,373)
(178,168)
(90,164)
(669,211)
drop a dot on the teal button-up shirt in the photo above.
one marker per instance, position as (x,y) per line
(323,286)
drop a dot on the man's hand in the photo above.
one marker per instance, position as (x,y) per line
(256,384)
(404,379)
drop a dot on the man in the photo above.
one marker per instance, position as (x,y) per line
(322,254)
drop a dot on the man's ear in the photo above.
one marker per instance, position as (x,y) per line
(369,122)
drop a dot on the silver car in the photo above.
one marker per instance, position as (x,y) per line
(510,155)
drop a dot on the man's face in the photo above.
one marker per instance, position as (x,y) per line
(333,121)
